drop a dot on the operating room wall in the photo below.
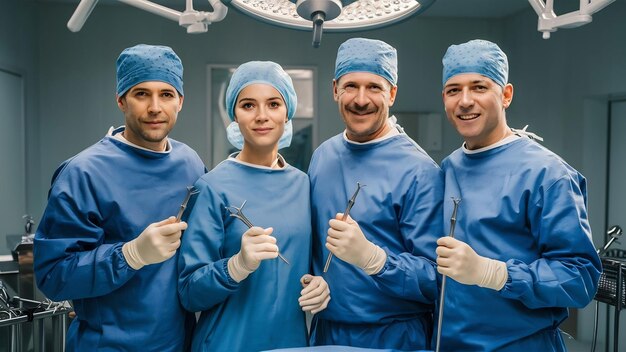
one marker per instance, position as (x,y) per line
(561,84)
(18,48)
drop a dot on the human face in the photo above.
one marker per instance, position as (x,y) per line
(261,114)
(150,111)
(476,106)
(364,100)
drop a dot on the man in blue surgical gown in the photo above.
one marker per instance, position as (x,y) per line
(108,234)
(383,278)
(522,251)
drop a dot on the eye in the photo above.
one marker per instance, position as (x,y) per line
(480,88)
(247,106)
(140,93)
(275,104)
(168,94)
(452,91)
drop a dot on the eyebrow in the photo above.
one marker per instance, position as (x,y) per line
(252,99)
(476,81)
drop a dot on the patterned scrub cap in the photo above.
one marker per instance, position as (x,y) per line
(143,63)
(367,55)
(476,56)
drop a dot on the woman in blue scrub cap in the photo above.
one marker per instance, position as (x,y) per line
(250,299)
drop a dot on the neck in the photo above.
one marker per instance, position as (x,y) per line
(259,157)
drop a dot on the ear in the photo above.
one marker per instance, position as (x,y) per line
(335,94)
(121,102)
(392,95)
(507,95)
(180,103)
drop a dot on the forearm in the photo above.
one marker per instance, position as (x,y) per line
(409,277)
(77,275)
(205,286)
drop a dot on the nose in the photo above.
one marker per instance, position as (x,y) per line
(261,115)
(467,100)
(155,105)
(361,97)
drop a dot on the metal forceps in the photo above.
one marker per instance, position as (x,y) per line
(443,280)
(238,213)
(191,190)
(343,218)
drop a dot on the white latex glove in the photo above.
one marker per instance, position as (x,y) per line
(256,245)
(315,294)
(346,241)
(156,244)
(460,262)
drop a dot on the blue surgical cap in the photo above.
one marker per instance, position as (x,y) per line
(266,72)
(143,63)
(476,56)
(367,55)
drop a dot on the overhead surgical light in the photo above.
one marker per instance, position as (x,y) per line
(332,15)
(550,22)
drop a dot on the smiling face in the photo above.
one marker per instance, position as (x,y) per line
(475,106)
(364,100)
(150,112)
(261,114)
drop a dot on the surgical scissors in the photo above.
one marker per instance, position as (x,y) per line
(443,279)
(343,218)
(191,190)
(238,213)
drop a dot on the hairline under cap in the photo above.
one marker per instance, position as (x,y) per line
(363,71)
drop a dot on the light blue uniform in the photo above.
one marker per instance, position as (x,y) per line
(523,205)
(399,210)
(100,199)
(262,311)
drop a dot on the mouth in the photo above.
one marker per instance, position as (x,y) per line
(262,130)
(468,117)
(361,112)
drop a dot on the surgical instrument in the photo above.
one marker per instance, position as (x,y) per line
(343,218)
(238,213)
(443,280)
(191,190)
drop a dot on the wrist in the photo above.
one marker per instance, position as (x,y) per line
(375,260)
(494,275)
(237,269)
(131,255)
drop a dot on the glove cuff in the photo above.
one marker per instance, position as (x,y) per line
(134,260)
(237,268)
(494,275)
(375,260)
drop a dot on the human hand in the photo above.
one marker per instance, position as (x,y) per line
(460,262)
(346,241)
(156,244)
(257,245)
(315,294)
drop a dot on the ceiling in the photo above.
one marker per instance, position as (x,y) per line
(440,8)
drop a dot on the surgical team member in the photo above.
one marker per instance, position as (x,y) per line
(522,251)
(383,278)
(251,300)
(107,236)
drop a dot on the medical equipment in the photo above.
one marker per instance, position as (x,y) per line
(237,212)
(191,190)
(611,288)
(443,280)
(550,22)
(335,15)
(343,218)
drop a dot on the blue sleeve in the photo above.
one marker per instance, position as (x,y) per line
(567,273)
(412,274)
(203,275)
(69,244)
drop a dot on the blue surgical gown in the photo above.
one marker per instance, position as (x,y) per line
(399,210)
(100,199)
(262,311)
(523,205)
